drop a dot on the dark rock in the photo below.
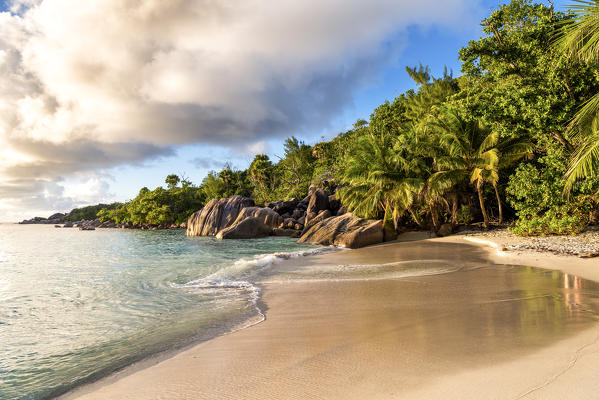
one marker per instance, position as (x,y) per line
(87,228)
(345,231)
(286,215)
(288,223)
(302,220)
(445,230)
(57,216)
(68,224)
(389,234)
(247,228)
(297,214)
(318,201)
(217,215)
(298,227)
(57,226)
(285,232)
(334,204)
(285,207)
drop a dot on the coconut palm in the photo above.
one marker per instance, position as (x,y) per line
(470,152)
(377,179)
(579,38)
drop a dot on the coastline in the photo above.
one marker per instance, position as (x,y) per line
(189,374)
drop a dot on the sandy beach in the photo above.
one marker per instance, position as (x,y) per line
(486,330)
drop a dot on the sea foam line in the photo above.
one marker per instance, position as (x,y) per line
(222,279)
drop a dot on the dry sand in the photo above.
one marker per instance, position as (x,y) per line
(495,332)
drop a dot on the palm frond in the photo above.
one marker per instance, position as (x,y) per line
(579,37)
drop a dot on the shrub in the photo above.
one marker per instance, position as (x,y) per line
(569,219)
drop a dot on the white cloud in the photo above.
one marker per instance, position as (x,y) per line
(105,82)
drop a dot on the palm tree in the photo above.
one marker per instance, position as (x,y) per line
(470,152)
(579,38)
(377,179)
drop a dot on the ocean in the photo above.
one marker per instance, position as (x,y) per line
(79,305)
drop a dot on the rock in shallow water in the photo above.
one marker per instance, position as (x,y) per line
(248,228)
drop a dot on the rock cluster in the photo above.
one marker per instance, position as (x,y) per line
(90,225)
(317,219)
(53,219)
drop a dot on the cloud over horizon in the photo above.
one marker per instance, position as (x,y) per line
(100,83)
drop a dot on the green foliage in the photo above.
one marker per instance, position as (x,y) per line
(577,40)
(464,216)
(158,207)
(537,186)
(567,219)
(262,176)
(172,181)
(296,169)
(89,212)
(377,180)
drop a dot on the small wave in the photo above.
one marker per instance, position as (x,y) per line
(236,275)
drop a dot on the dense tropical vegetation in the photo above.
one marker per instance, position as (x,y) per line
(515,137)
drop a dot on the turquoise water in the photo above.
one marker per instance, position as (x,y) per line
(76,305)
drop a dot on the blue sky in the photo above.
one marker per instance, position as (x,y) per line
(434,43)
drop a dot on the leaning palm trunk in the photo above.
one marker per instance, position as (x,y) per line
(434,216)
(498,203)
(453,197)
(415,217)
(479,189)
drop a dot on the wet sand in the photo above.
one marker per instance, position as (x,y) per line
(486,331)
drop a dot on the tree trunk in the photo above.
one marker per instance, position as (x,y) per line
(479,189)
(434,217)
(498,203)
(454,207)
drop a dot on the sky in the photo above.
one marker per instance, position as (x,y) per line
(99,98)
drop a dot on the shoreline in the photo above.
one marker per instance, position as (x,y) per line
(272,293)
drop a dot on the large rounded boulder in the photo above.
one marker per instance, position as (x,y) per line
(248,228)
(265,215)
(217,215)
(345,231)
